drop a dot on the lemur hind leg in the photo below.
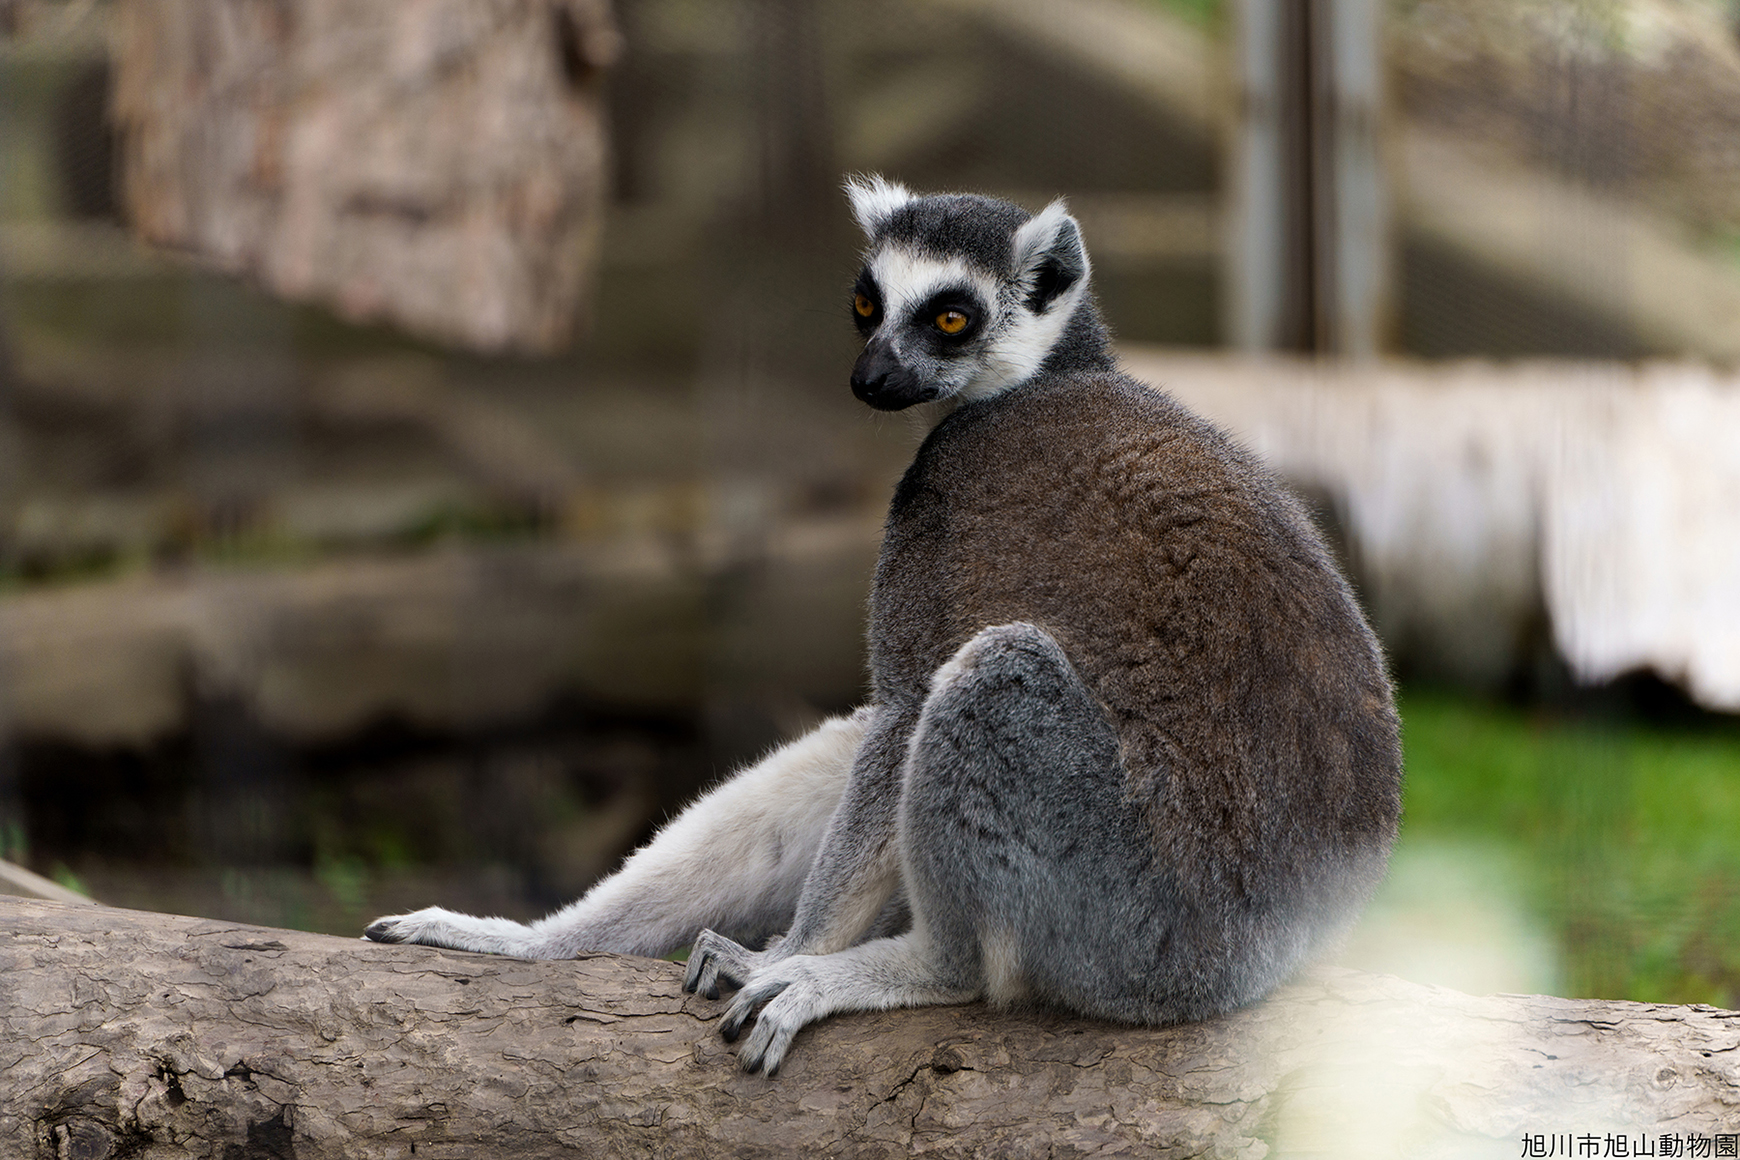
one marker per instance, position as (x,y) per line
(734,860)
(1025,869)
(1026,857)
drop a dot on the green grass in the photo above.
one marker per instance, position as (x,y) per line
(1202,13)
(1626,837)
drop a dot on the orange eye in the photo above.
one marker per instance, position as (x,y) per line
(951,322)
(862,304)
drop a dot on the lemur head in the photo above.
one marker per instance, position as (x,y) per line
(963,296)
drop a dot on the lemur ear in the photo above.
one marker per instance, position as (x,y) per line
(1049,256)
(874,201)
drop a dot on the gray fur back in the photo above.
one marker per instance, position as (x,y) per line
(1254,718)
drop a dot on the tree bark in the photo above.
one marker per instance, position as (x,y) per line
(149,1035)
(440,166)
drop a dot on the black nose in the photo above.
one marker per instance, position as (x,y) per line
(883,381)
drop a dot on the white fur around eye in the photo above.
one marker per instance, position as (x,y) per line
(907,278)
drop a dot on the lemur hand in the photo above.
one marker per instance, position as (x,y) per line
(715,959)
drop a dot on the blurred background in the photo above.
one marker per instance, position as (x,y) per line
(426,456)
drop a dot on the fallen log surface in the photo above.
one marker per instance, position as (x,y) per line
(128,1034)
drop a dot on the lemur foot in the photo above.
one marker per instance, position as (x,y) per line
(789,996)
(784,989)
(437,927)
(416,927)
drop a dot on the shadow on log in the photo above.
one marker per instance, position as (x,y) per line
(130,1034)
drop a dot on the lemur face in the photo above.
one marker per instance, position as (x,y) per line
(961,296)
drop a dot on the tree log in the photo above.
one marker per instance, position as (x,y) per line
(149,1035)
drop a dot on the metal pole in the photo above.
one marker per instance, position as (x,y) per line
(1308,250)
(1257,214)
(1360,235)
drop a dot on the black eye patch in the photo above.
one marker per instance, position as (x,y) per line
(865,292)
(942,312)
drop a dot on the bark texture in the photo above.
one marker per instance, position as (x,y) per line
(128,1034)
(437,165)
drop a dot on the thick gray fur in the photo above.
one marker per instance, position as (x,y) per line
(1131,749)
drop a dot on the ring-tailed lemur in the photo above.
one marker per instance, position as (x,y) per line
(1131,750)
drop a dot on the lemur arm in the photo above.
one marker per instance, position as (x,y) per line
(858,866)
(856,870)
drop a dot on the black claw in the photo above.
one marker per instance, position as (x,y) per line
(382,932)
(731,1029)
(713,991)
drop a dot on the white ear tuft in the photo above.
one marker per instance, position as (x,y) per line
(875,200)
(1042,233)
(1050,258)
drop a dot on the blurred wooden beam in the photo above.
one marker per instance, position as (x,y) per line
(1139,228)
(70,250)
(1619,259)
(15,879)
(456,639)
(1142,47)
